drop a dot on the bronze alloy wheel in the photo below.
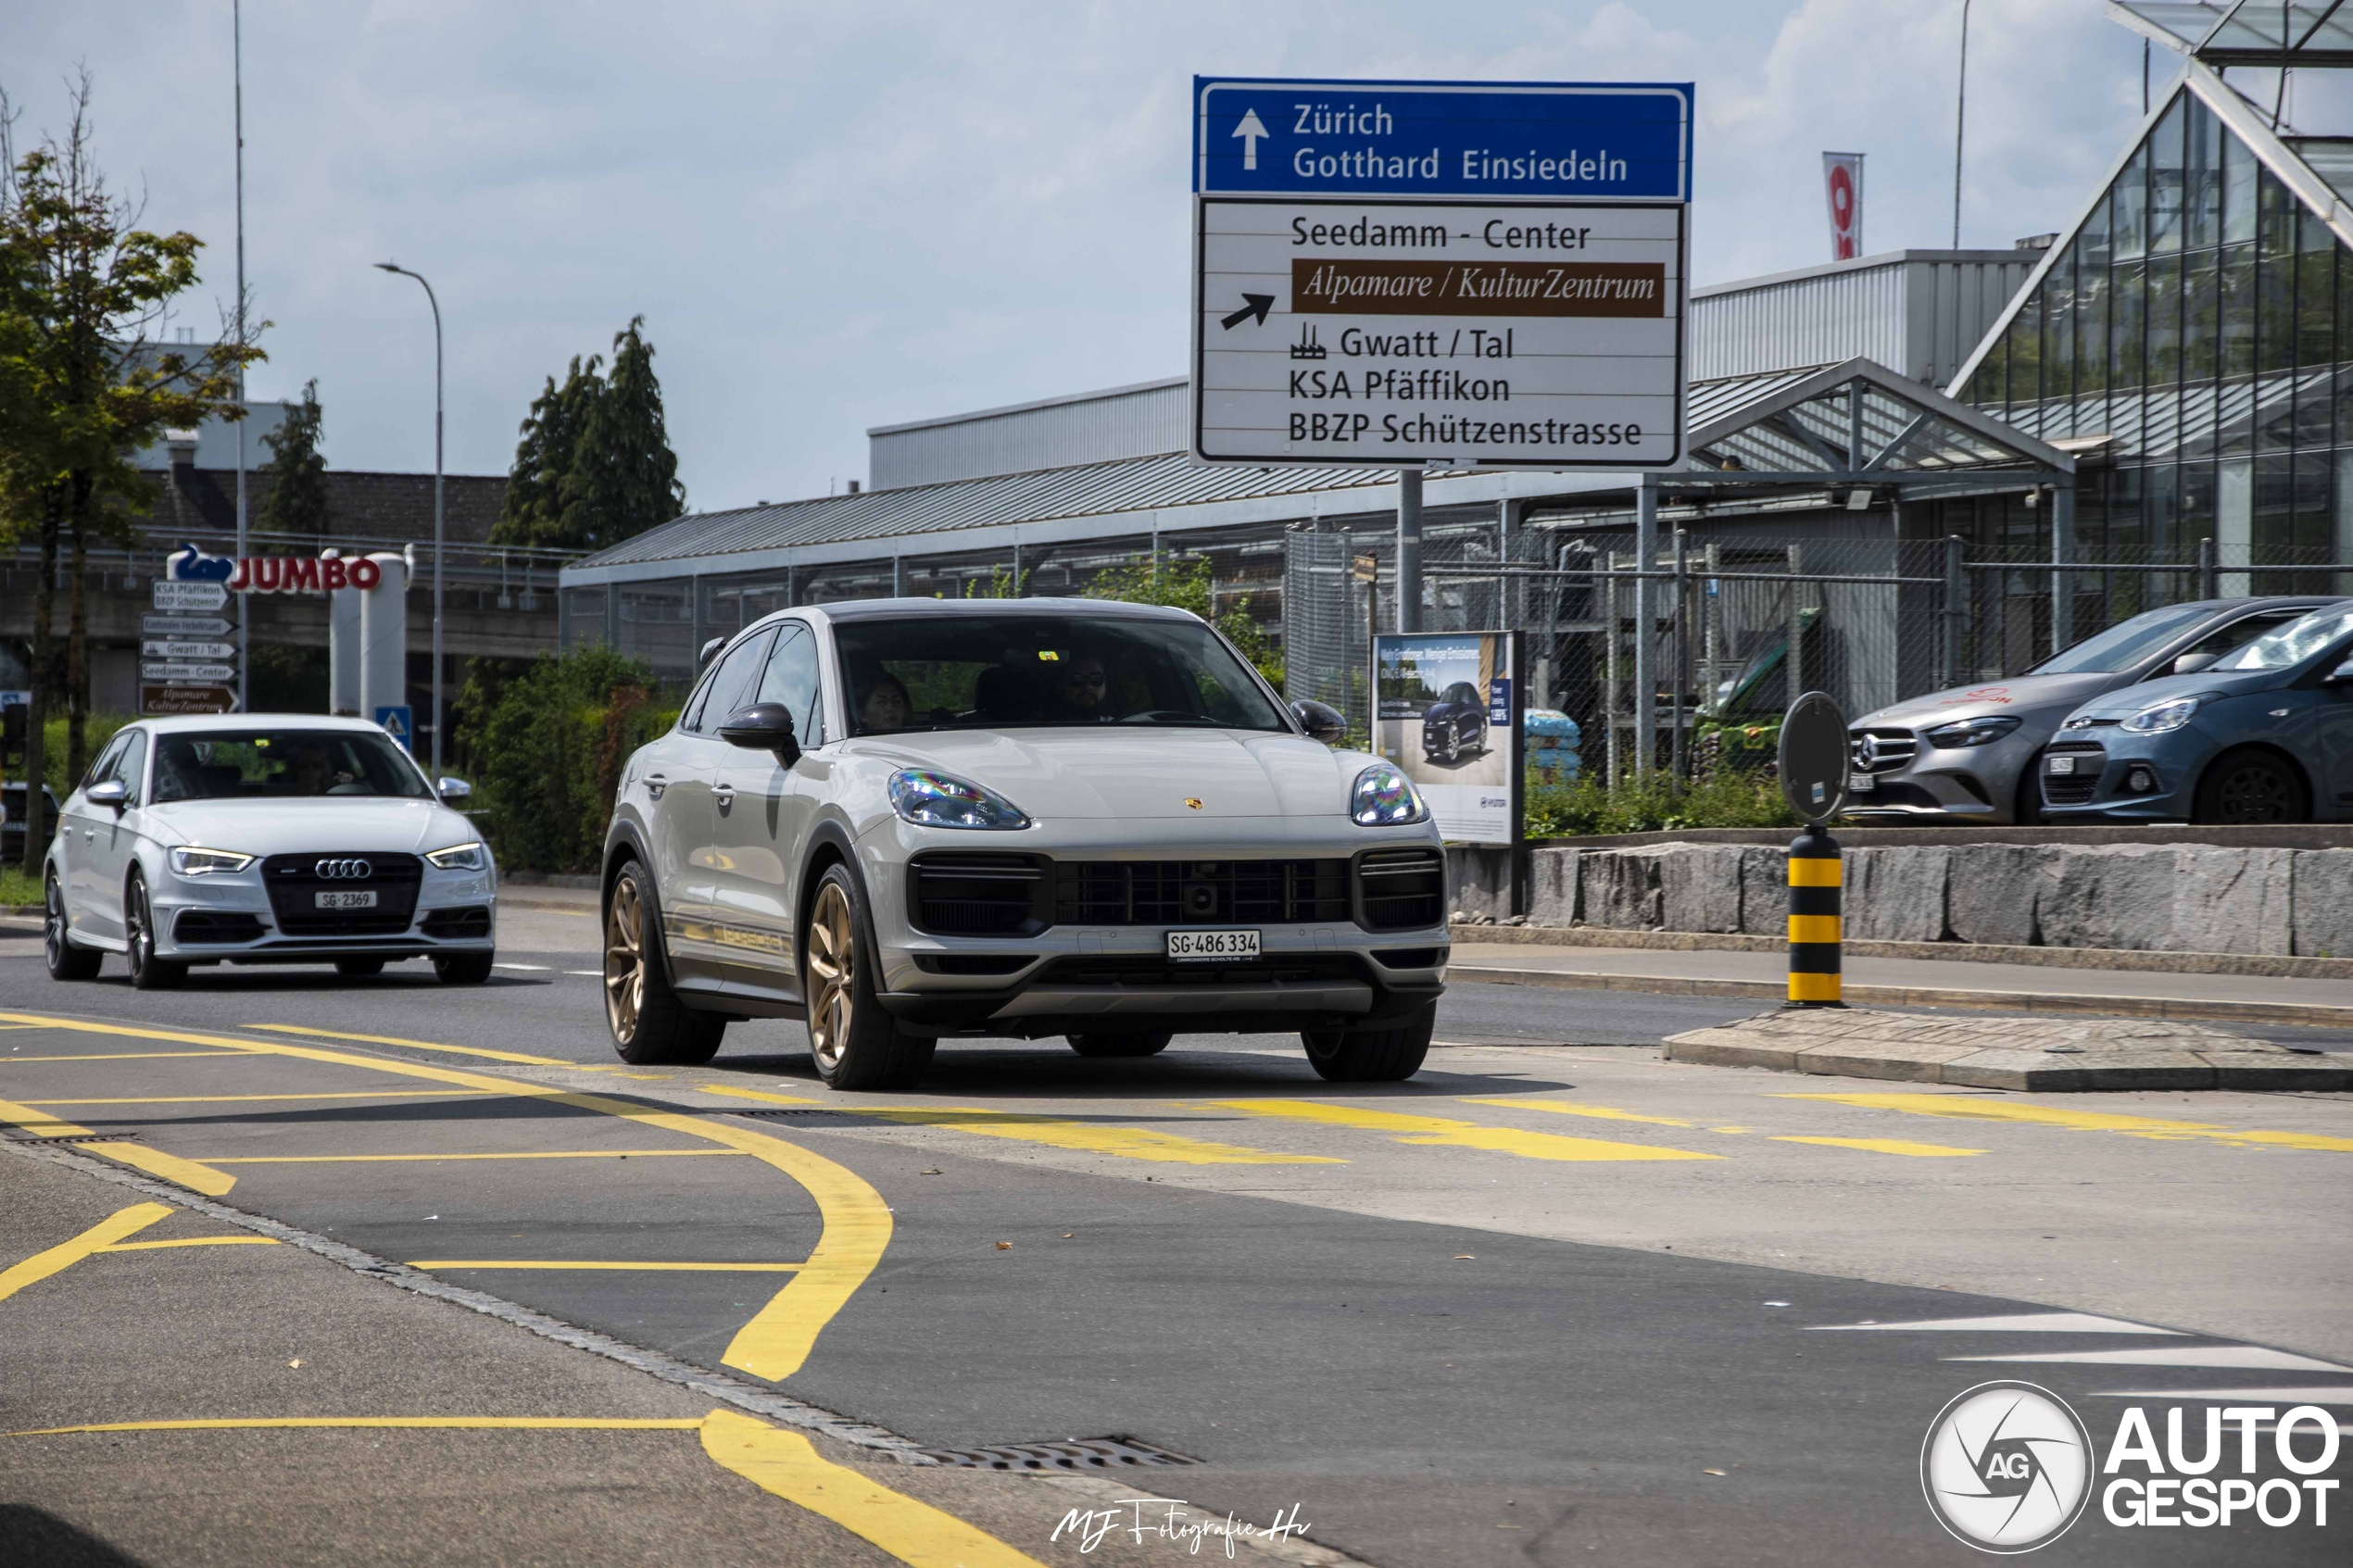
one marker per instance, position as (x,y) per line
(832,975)
(626,959)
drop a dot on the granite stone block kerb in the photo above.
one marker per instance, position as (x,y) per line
(1699,887)
(1552,886)
(2119,896)
(1896,895)
(2232,900)
(2321,902)
(1621,889)
(1994,891)
(1765,892)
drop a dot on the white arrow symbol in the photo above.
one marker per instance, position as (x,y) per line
(1249,130)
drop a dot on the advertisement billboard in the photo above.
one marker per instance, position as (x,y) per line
(1448,713)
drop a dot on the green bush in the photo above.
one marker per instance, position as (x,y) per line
(1728,798)
(98,728)
(548,748)
(1183,582)
(17,886)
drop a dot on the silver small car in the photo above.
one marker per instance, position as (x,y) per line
(1969,754)
(908,819)
(265,838)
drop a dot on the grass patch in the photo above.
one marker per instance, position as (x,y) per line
(18,887)
(1656,803)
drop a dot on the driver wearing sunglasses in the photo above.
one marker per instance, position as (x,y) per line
(1083,687)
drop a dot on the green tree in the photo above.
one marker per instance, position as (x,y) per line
(297,498)
(1183,582)
(548,748)
(81,288)
(594,465)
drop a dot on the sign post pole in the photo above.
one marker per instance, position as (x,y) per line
(1813,767)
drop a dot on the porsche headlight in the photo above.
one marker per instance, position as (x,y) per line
(2163,719)
(1385,798)
(459,857)
(943,800)
(189,861)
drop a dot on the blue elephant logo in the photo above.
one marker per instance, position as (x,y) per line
(192,565)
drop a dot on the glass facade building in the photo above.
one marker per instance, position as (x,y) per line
(2192,339)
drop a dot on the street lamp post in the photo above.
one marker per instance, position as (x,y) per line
(390,266)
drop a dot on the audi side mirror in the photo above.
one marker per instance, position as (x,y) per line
(1321,722)
(765,726)
(2191,663)
(108,792)
(702,660)
(453,790)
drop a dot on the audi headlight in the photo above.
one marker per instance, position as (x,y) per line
(1384,797)
(459,857)
(2164,718)
(1970,732)
(189,861)
(943,800)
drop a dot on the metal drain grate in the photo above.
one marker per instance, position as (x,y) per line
(77,1137)
(822,1115)
(1075,1453)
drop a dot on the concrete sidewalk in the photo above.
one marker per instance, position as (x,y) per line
(1919,982)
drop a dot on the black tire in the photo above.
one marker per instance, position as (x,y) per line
(66,962)
(359,968)
(2027,809)
(2251,786)
(1121,1042)
(1382,1053)
(148,972)
(651,1026)
(461,968)
(856,1042)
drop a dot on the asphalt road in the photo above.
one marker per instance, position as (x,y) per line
(1556,1300)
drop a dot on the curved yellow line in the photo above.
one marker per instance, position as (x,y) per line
(442,1423)
(777,1340)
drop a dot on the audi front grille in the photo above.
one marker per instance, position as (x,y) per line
(295,881)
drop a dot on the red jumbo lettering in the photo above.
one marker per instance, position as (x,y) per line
(334,574)
(301,575)
(366,573)
(264,573)
(237,583)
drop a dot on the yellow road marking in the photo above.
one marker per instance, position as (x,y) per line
(1058,1131)
(1570,1108)
(192,1241)
(1461,1134)
(171,1166)
(774,1345)
(559,1154)
(1963,1108)
(1885,1146)
(65,1254)
(119,1056)
(412,1045)
(241,1100)
(787,1465)
(40,1126)
(545,1263)
(457,1423)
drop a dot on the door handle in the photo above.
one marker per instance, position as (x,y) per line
(655,785)
(724,796)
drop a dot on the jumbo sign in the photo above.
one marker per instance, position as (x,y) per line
(273,574)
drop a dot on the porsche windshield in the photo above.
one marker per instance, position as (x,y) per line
(283,765)
(1011,672)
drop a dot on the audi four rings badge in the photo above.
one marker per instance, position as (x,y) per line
(344,871)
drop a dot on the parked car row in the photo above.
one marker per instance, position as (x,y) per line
(2218,710)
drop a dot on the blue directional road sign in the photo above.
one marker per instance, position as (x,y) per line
(1557,141)
(399,722)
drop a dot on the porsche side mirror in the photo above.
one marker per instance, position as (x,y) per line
(108,792)
(702,660)
(2191,663)
(765,726)
(1321,722)
(453,790)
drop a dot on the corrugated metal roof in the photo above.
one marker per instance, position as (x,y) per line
(1133,485)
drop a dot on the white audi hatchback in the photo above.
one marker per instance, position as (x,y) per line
(265,838)
(909,819)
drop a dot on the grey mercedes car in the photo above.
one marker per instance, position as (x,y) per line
(901,820)
(1969,754)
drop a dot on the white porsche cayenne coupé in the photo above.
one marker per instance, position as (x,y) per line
(904,819)
(265,838)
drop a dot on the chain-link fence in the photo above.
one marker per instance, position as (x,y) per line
(1739,623)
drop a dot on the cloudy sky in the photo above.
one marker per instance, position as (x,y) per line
(840,216)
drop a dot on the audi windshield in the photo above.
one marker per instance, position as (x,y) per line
(283,765)
(1003,672)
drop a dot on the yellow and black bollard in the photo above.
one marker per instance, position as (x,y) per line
(1814,921)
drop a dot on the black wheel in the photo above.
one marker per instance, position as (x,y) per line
(1121,1042)
(1453,742)
(148,972)
(461,968)
(360,967)
(651,1026)
(856,1043)
(1381,1053)
(2028,809)
(2252,786)
(66,960)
